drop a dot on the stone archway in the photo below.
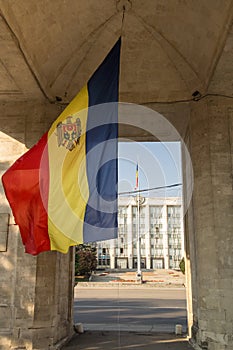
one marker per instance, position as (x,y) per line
(37,291)
(176,59)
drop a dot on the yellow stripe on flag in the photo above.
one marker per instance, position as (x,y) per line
(68,191)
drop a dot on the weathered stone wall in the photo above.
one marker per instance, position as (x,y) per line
(211,128)
(36,292)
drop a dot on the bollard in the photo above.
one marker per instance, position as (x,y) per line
(79,328)
(178,330)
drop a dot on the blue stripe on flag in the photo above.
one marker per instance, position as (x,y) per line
(101,150)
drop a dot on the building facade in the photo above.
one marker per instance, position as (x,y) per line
(161,235)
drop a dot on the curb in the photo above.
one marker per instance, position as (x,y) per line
(127,285)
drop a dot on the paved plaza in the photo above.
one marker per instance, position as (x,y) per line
(122,337)
(127,340)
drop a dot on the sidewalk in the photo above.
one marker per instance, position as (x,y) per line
(126,340)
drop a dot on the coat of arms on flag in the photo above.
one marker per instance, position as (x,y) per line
(68,134)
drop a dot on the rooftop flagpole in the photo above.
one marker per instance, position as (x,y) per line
(139,272)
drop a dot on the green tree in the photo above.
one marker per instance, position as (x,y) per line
(182,265)
(85,260)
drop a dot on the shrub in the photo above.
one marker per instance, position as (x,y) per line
(85,260)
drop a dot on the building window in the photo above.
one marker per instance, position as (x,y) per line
(121,250)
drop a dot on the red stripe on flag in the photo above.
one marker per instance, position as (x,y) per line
(23,183)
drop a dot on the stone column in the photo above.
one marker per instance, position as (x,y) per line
(211,136)
(189,238)
(36,294)
(53,315)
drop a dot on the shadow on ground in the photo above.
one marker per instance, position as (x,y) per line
(126,340)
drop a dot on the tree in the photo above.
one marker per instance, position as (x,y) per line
(85,260)
(182,265)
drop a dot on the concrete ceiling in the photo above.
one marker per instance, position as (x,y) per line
(170,49)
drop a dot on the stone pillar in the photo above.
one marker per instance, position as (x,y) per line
(211,135)
(53,315)
(36,293)
(189,238)
(10,149)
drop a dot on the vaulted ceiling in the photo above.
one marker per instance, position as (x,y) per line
(170,49)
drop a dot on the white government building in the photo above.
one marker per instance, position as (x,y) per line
(161,235)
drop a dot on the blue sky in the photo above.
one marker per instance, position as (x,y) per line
(159,165)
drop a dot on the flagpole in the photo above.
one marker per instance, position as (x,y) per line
(139,272)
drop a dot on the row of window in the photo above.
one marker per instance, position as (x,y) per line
(104,262)
(155,234)
(155,211)
(175,257)
(173,263)
(154,243)
(173,249)
(152,216)
(155,252)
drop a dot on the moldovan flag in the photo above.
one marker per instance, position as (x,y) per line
(136,185)
(63,191)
